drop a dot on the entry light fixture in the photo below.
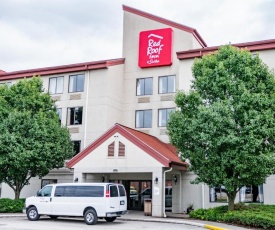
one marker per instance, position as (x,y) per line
(175,179)
(76,179)
(156,180)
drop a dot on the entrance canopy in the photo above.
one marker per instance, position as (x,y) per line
(126,147)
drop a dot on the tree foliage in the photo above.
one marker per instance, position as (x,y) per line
(32,140)
(225,125)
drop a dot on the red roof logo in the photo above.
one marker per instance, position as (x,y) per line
(155,48)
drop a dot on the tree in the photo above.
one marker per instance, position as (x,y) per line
(32,140)
(225,125)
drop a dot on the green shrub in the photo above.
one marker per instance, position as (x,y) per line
(11,206)
(254,215)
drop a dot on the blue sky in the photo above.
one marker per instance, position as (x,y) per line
(39,33)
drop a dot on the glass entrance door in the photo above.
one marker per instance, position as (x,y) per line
(139,190)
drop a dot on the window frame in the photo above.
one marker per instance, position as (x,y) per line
(167,88)
(76,90)
(69,119)
(56,81)
(143,116)
(74,141)
(166,114)
(145,94)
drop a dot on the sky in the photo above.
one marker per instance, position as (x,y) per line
(44,33)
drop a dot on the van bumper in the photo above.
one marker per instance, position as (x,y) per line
(117,214)
(24,210)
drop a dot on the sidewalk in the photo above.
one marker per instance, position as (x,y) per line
(171,218)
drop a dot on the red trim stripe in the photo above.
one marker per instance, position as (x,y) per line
(252,46)
(166,22)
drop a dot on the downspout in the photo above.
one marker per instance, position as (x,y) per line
(203,195)
(164,180)
(86,111)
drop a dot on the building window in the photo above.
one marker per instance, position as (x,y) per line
(45,182)
(59,112)
(77,147)
(144,119)
(111,150)
(218,194)
(74,116)
(252,193)
(167,84)
(121,150)
(144,86)
(56,85)
(76,83)
(164,116)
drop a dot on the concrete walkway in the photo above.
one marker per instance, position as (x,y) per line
(171,218)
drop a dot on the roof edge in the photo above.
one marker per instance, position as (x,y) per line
(251,46)
(62,69)
(191,30)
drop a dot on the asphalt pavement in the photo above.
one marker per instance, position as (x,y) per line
(171,218)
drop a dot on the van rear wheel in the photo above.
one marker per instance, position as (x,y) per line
(110,219)
(90,217)
(32,214)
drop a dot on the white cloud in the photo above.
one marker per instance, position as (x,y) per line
(38,33)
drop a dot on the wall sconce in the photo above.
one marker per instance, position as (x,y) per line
(175,179)
(156,180)
(103,178)
(76,179)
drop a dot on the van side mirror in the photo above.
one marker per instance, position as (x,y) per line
(38,193)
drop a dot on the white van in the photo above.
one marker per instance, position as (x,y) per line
(91,200)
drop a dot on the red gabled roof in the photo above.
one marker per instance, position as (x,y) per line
(61,69)
(163,152)
(166,22)
(252,46)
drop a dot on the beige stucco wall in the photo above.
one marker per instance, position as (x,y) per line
(133,25)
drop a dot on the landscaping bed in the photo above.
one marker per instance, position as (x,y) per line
(253,215)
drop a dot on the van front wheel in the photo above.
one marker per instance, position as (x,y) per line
(90,217)
(32,214)
(110,219)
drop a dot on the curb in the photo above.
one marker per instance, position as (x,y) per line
(175,221)
(160,220)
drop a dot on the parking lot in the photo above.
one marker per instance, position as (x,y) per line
(45,223)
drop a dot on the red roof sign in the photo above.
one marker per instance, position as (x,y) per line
(155,48)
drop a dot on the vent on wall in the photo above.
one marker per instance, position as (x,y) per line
(121,150)
(56,98)
(111,150)
(75,96)
(144,100)
(167,98)
(74,130)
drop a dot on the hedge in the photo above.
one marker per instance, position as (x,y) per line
(253,215)
(10,206)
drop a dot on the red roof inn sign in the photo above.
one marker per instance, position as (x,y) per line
(155,48)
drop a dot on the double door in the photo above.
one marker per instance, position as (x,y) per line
(138,191)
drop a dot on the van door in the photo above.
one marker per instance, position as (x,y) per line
(44,198)
(122,198)
(113,202)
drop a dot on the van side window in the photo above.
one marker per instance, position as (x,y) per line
(59,191)
(113,191)
(69,191)
(121,190)
(46,191)
(89,191)
(79,191)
